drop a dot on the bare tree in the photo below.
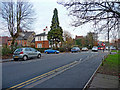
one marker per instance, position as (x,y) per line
(17,15)
(103,13)
(68,41)
(67,35)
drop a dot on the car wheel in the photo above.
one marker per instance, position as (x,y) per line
(39,55)
(46,52)
(55,52)
(25,58)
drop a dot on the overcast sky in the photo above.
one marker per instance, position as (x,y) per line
(44,12)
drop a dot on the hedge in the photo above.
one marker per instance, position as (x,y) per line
(41,49)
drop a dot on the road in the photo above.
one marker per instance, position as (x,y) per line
(77,75)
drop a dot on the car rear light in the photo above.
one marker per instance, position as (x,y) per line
(21,52)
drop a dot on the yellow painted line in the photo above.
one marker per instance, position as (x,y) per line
(38,77)
(30,80)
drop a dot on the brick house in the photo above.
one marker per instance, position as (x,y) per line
(4,40)
(25,38)
(41,41)
(78,37)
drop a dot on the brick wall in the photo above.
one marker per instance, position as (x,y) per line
(23,42)
(45,44)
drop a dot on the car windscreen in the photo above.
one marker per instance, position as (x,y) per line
(27,49)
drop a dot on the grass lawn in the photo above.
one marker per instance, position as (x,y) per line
(110,65)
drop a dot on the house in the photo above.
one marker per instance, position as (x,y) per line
(25,38)
(41,41)
(78,37)
(4,39)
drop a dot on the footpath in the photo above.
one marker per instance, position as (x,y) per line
(105,81)
(106,78)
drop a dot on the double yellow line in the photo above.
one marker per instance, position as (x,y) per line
(30,81)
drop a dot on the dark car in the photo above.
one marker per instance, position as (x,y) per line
(51,51)
(25,53)
(75,49)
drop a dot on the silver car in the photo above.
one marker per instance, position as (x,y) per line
(95,48)
(25,53)
(75,49)
(84,49)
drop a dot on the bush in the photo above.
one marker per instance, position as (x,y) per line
(42,49)
(61,49)
(64,49)
(6,51)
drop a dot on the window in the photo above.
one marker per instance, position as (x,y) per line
(39,38)
(39,45)
(33,49)
(27,49)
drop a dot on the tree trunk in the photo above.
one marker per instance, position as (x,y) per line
(56,44)
(12,44)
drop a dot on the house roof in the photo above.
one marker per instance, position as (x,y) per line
(78,37)
(41,34)
(25,35)
(33,41)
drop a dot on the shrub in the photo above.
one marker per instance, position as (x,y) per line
(61,49)
(6,51)
(42,49)
(64,49)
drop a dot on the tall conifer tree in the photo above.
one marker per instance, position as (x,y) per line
(56,32)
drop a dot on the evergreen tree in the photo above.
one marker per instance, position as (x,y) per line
(56,32)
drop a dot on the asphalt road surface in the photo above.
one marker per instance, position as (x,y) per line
(74,70)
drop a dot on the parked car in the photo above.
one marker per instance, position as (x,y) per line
(106,48)
(75,49)
(111,48)
(84,49)
(95,48)
(25,53)
(51,51)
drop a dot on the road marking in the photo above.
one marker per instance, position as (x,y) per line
(45,75)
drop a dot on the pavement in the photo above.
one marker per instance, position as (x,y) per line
(105,81)
(6,60)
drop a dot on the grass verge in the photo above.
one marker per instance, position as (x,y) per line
(110,65)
